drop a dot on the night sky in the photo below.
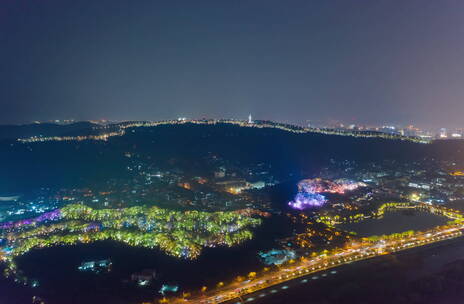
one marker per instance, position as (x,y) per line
(364,61)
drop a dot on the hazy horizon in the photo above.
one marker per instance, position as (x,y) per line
(376,63)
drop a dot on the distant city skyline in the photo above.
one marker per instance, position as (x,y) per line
(410,131)
(380,62)
(250,118)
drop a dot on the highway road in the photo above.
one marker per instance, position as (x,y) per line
(235,292)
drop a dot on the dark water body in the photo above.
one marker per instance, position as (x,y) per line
(61,282)
(395,222)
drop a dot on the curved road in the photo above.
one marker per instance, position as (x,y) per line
(362,251)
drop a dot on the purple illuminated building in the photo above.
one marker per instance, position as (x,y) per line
(309,189)
(305,200)
(49,216)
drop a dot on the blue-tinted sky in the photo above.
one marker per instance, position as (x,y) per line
(355,61)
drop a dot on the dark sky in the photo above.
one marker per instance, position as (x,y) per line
(350,60)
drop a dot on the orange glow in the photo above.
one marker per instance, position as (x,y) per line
(185,185)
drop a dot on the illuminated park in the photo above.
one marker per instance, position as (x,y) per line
(180,234)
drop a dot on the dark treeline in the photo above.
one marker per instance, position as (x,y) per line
(32,165)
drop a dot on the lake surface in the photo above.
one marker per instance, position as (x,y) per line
(395,222)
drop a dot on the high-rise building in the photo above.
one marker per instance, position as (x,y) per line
(443,133)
